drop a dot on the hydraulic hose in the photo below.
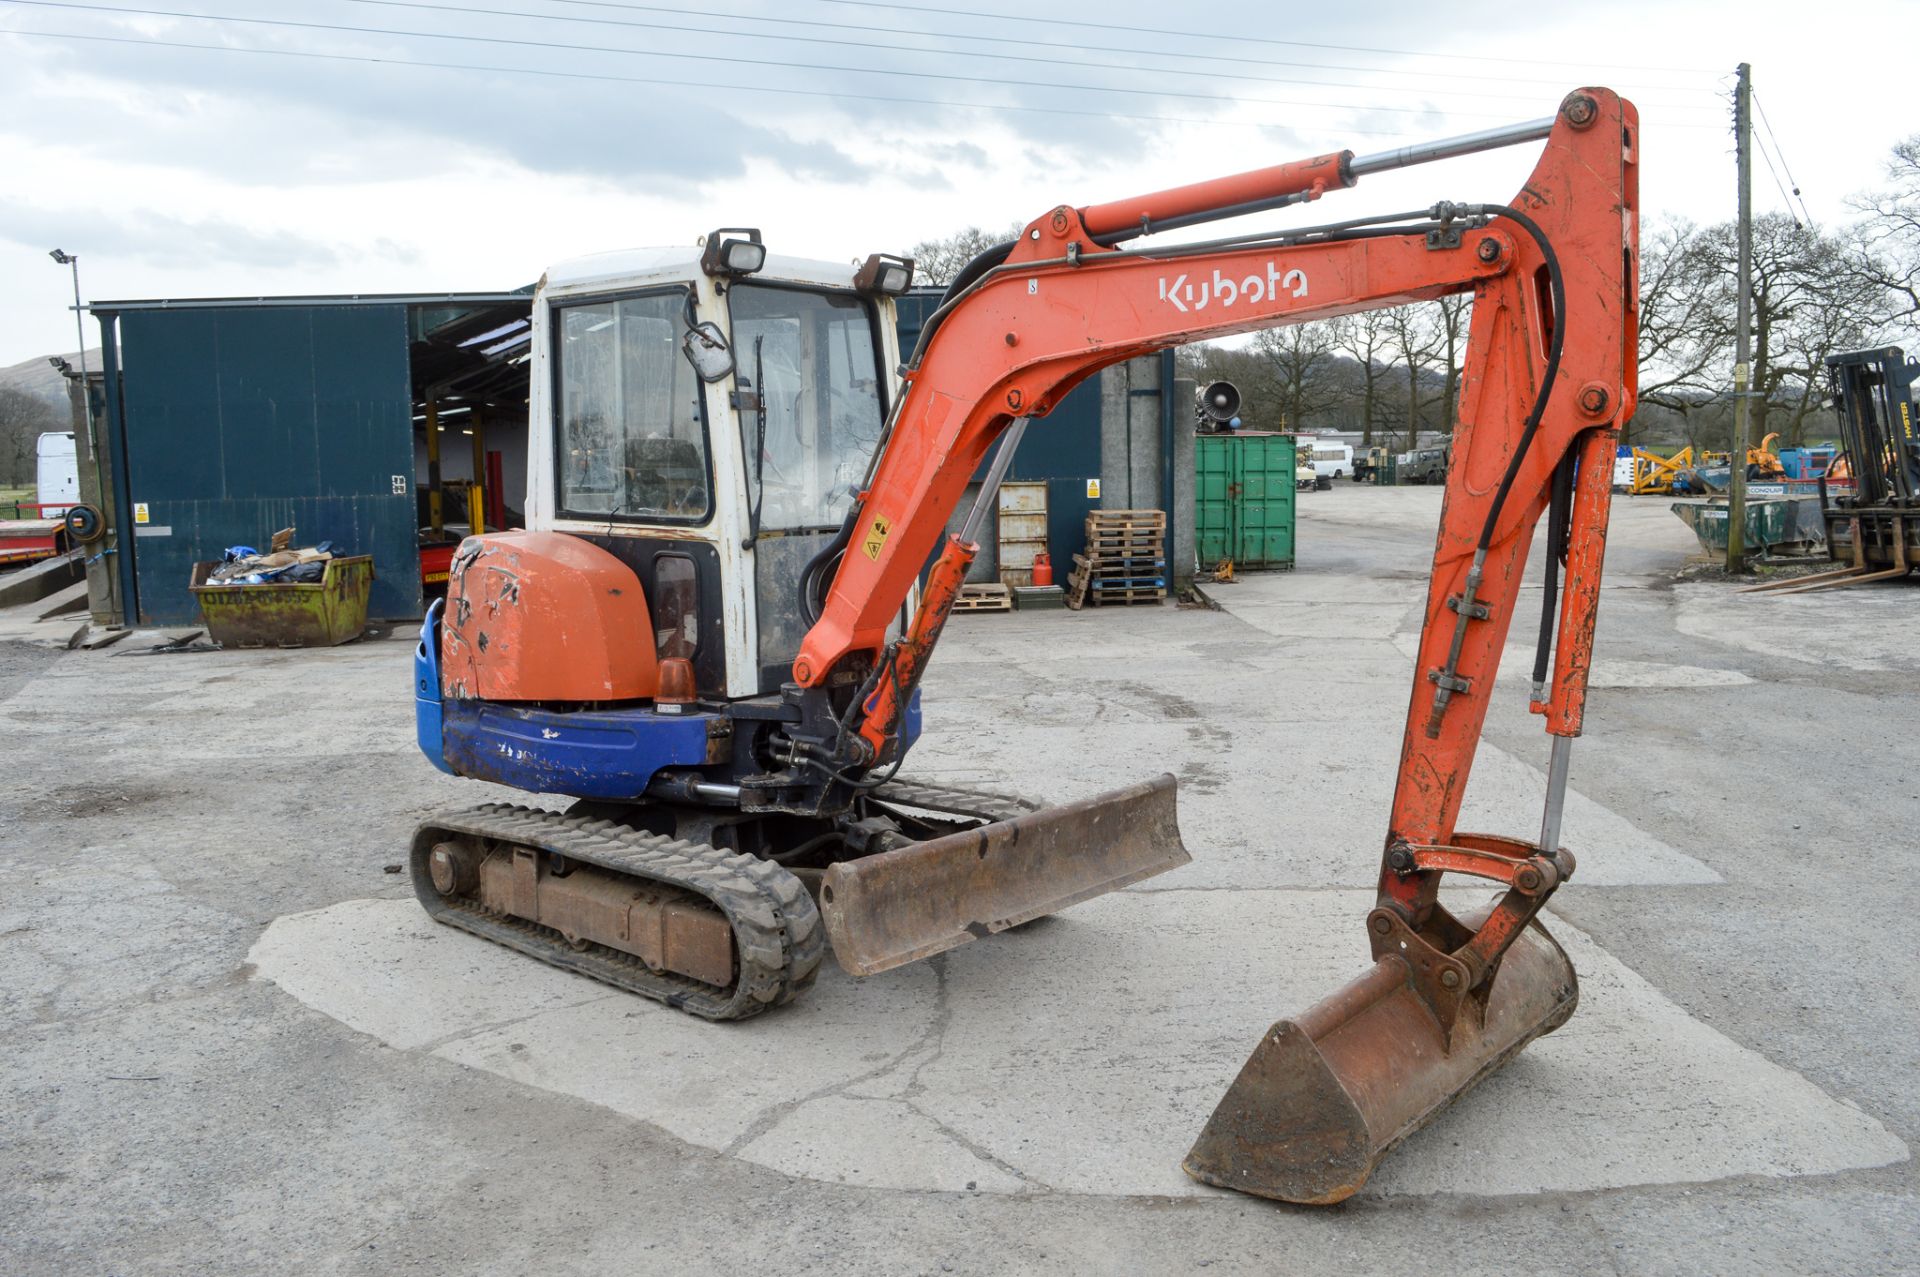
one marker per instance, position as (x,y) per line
(969,275)
(1447,679)
(1555,344)
(1559,520)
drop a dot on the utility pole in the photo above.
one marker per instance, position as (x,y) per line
(72,261)
(1743,327)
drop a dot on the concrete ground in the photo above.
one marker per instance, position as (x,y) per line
(234,1045)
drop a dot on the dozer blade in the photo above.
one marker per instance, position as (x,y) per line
(1325,1097)
(886,910)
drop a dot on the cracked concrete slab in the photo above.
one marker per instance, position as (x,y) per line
(878,1143)
(1077,1056)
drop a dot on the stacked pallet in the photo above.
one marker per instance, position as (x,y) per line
(1123,562)
(992,597)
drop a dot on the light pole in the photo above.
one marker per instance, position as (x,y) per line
(72,260)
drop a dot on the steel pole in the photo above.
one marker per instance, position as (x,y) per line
(80,335)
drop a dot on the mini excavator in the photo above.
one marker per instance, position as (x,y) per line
(712,634)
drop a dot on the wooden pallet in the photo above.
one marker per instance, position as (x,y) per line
(1141,548)
(1126,532)
(1125,559)
(1101,584)
(1077,583)
(1105,595)
(1126,519)
(1103,563)
(984,598)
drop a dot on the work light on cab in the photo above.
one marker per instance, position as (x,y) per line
(726,255)
(884,273)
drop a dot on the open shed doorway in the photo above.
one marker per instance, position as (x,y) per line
(470,383)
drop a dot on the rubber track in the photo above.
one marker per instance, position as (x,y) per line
(778,937)
(980,803)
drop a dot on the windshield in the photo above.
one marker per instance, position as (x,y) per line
(632,440)
(810,380)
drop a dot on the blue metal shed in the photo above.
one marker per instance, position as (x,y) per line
(231,418)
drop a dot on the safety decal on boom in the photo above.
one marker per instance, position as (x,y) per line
(876,537)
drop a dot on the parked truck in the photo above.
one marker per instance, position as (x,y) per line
(1424,465)
(1369,464)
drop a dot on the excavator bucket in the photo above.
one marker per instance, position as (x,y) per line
(1325,1096)
(886,910)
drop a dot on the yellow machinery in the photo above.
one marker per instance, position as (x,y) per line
(1654,474)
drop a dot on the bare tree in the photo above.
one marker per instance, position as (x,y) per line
(1412,338)
(1806,305)
(938,261)
(1452,314)
(1299,360)
(1364,337)
(1685,326)
(1885,251)
(24,417)
(1808,302)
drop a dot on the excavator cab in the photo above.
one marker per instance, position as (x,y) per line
(709,431)
(703,423)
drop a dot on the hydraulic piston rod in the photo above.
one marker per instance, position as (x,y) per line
(1448,148)
(1283,184)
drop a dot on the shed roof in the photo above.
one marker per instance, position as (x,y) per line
(457,300)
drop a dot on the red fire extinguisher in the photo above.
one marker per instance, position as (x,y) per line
(1042,569)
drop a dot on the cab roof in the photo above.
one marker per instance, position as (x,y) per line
(638,267)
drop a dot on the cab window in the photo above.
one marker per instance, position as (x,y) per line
(632,436)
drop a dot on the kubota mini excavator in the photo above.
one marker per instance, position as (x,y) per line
(713,633)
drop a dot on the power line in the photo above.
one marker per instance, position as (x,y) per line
(1781,152)
(1784,198)
(944,53)
(1003,40)
(561,46)
(1239,38)
(681,84)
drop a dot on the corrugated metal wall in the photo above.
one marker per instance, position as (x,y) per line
(242,421)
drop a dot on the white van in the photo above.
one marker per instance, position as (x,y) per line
(58,474)
(1332,460)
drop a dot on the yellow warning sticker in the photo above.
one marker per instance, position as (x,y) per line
(876,537)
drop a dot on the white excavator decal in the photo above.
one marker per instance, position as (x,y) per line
(1187,296)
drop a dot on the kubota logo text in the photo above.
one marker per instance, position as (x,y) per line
(1224,291)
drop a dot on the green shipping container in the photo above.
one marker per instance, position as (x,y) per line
(1244,499)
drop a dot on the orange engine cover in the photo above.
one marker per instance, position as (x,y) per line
(541,616)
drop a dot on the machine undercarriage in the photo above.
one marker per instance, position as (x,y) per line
(660,900)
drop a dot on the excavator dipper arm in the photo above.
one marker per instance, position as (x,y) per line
(1549,374)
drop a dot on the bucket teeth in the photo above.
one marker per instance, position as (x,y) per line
(1324,1097)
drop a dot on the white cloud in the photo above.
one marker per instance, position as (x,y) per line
(179,172)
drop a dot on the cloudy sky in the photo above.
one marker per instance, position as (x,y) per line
(241,147)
